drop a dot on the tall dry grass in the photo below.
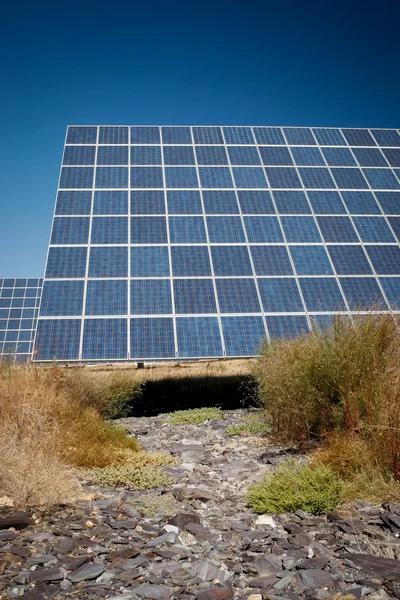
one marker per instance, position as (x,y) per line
(46,430)
(344,379)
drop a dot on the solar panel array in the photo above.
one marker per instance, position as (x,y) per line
(191,242)
(19,305)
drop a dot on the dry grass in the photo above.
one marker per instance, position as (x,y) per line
(45,433)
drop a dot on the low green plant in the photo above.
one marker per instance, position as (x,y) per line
(194,416)
(139,471)
(150,505)
(249,426)
(295,486)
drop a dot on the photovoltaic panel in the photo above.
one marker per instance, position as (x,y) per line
(194,242)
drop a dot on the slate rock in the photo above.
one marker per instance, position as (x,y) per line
(17,520)
(315,578)
(199,531)
(85,572)
(154,592)
(215,592)
(182,519)
(46,575)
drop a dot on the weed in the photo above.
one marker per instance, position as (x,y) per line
(248,426)
(139,471)
(194,416)
(150,505)
(293,486)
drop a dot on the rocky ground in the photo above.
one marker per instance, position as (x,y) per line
(196,539)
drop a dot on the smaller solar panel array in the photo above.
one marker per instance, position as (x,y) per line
(19,305)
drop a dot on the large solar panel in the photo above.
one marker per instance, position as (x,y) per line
(196,242)
(19,304)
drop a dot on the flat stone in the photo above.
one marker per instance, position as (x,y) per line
(317,578)
(387,569)
(182,519)
(64,545)
(354,526)
(197,494)
(266,520)
(46,575)
(215,592)
(17,520)
(263,582)
(200,531)
(6,536)
(207,571)
(22,551)
(70,563)
(154,592)
(89,571)
(166,538)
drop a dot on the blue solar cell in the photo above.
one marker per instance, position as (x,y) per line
(220,202)
(385,259)
(370,157)
(287,326)
(184,202)
(109,261)
(339,157)
(147,202)
(363,293)
(326,203)
(81,135)
(390,202)
(269,135)
(198,336)
(62,298)
(298,136)
(147,177)
(263,230)
(176,135)
(215,177)
(249,177)
(328,136)
(207,135)
(283,177)
(271,260)
(358,137)
(193,296)
(107,297)
(306,156)
(151,297)
(311,260)
(152,338)
(58,339)
(231,260)
(148,230)
(179,155)
(300,229)
(392,156)
(211,155)
(373,229)
(70,230)
(322,294)
(110,202)
(112,177)
(243,155)
(275,156)
(190,261)
(114,134)
(187,230)
(112,155)
(237,296)
(109,230)
(79,155)
(76,177)
(105,339)
(349,260)
(225,230)
(243,335)
(255,202)
(316,178)
(280,295)
(291,202)
(395,224)
(381,179)
(146,155)
(66,262)
(238,135)
(359,203)
(391,287)
(181,177)
(337,229)
(350,179)
(386,137)
(149,262)
(145,135)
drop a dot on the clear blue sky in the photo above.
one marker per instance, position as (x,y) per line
(283,62)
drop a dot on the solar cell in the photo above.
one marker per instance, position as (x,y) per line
(174,245)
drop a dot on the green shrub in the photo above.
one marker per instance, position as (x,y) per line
(248,426)
(194,416)
(292,487)
(151,505)
(139,471)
